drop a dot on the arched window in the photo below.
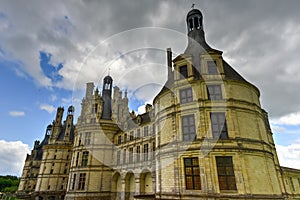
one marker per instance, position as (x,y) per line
(191,24)
(196,22)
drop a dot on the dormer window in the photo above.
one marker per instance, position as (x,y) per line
(212,67)
(183,70)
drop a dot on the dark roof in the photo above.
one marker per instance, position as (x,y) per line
(231,74)
(193,12)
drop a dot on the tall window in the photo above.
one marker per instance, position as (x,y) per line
(79,140)
(138,152)
(73,182)
(124,156)
(138,133)
(130,155)
(225,173)
(77,159)
(95,108)
(146,133)
(153,150)
(186,95)
(292,184)
(85,157)
(119,139)
(212,67)
(188,128)
(153,129)
(81,182)
(218,125)
(87,140)
(131,137)
(192,174)
(183,72)
(118,157)
(125,138)
(146,152)
(214,92)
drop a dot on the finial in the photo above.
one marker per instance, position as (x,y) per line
(193,5)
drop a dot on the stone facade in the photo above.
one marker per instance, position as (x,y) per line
(205,137)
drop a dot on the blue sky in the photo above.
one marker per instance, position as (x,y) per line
(49,51)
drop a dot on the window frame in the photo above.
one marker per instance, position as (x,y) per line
(183,72)
(188,130)
(186,95)
(84,158)
(192,173)
(214,95)
(81,182)
(212,67)
(222,132)
(225,171)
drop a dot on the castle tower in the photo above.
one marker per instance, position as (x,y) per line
(92,158)
(213,138)
(54,169)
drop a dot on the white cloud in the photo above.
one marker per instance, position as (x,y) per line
(289,119)
(47,107)
(17,113)
(12,157)
(289,156)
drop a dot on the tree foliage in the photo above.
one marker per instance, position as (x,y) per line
(9,183)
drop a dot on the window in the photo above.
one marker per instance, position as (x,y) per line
(118,157)
(93,120)
(119,139)
(292,184)
(51,171)
(146,131)
(192,174)
(124,156)
(125,138)
(183,72)
(212,67)
(79,140)
(145,152)
(65,171)
(130,155)
(153,129)
(214,92)
(81,182)
(186,95)
(94,108)
(131,137)
(85,157)
(188,128)
(218,125)
(138,133)
(225,173)
(153,150)
(87,139)
(77,159)
(138,151)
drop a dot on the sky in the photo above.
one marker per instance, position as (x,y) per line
(50,50)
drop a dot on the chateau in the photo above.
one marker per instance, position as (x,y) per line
(205,137)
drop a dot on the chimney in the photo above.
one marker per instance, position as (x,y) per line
(169,61)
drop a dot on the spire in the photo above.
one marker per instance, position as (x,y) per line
(106,95)
(196,41)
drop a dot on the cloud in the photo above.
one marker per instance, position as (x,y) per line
(12,157)
(289,156)
(17,113)
(72,31)
(47,107)
(289,119)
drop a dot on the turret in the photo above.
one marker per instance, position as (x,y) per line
(106,95)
